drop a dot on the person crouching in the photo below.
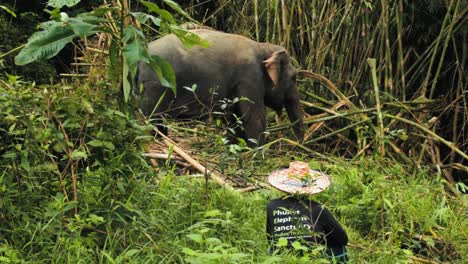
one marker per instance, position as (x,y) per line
(298,218)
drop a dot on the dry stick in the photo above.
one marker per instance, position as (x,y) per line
(315,127)
(431,133)
(177,160)
(423,260)
(214,175)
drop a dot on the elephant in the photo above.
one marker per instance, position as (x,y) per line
(233,66)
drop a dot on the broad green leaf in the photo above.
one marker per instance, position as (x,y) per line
(131,34)
(45,44)
(9,155)
(389,204)
(115,67)
(134,49)
(8,10)
(62,3)
(152,7)
(189,251)
(143,18)
(25,163)
(126,83)
(81,28)
(196,238)
(164,71)
(76,154)
(188,38)
(298,246)
(95,219)
(87,106)
(177,8)
(68,207)
(212,213)
(100,11)
(108,145)
(91,18)
(282,242)
(95,143)
(131,252)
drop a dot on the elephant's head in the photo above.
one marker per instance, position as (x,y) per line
(283,92)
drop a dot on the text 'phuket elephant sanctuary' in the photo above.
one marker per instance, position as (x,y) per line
(231,67)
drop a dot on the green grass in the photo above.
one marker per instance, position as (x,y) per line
(388,217)
(123,211)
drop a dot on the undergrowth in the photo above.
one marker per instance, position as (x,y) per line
(74,188)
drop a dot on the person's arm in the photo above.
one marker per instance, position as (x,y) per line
(334,233)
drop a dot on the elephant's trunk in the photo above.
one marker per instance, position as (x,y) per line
(296,117)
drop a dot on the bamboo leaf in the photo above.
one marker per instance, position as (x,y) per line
(76,154)
(8,10)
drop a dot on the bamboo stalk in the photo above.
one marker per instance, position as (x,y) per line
(432,134)
(398,18)
(257,34)
(380,130)
(284,17)
(335,132)
(436,49)
(444,49)
(330,85)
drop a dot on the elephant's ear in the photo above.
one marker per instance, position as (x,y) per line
(273,65)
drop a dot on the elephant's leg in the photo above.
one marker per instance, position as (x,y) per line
(254,121)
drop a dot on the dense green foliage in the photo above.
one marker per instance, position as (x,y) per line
(125,212)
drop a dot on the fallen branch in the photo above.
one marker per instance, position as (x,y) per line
(161,156)
(217,177)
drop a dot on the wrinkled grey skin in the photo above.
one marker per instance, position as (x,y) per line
(233,66)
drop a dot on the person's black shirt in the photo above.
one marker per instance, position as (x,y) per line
(296,219)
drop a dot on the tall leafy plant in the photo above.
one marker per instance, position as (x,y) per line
(128,41)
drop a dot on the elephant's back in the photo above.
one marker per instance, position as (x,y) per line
(224,48)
